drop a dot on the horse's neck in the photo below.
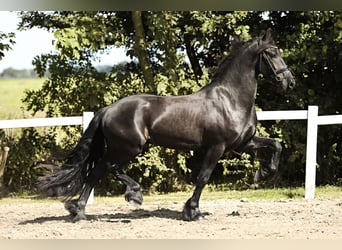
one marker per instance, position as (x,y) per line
(239,88)
(235,81)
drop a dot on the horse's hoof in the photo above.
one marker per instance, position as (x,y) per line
(76,211)
(264,174)
(192,217)
(257,177)
(191,213)
(79,217)
(134,198)
(134,203)
(72,207)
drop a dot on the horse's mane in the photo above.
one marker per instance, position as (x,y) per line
(237,47)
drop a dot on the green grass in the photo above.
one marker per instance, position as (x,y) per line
(12,91)
(324,192)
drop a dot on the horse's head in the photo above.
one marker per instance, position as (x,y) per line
(271,64)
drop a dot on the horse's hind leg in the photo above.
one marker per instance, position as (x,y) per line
(76,207)
(124,150)
(133,191)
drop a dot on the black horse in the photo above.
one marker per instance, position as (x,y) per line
(220,117)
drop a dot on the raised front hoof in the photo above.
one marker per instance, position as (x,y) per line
(191,213)
(263,174)
(75,210)
(134,197)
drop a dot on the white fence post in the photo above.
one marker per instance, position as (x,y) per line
(87,117)
(311,152)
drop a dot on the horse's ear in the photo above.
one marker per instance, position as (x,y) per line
(267,39)
(268,36)
(234,39)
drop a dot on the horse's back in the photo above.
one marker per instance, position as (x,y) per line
(182,122)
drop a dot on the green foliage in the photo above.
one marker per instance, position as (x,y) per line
(183,49)
(311,43)
(26,152)
(238,172)
(6,41)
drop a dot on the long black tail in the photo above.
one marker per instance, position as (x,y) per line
(68,180)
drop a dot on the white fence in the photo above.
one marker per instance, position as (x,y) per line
(311,115)
(313,120)
(51,121)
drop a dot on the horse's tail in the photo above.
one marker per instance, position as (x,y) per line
(68,180)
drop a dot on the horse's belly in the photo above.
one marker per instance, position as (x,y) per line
(174,142)
(176,135)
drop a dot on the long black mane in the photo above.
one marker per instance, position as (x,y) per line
(237,47)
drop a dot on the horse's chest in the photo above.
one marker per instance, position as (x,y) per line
(229,128)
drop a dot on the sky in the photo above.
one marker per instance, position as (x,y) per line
(34,42)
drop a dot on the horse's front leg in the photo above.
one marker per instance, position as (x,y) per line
(133,190)
(191,210)
(269,167)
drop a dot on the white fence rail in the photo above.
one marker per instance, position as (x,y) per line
(313,120)
(311,115)
(53,121)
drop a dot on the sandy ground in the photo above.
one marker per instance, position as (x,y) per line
(225,219)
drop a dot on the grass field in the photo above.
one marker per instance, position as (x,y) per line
(209,194)
(12,91)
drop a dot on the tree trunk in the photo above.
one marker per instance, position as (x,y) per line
(192,57)
(140,48)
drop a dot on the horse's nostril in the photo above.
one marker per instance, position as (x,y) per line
(292,84)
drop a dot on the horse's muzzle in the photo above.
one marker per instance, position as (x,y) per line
(288,81)
(291,84)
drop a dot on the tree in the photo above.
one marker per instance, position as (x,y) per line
(311,43)
(6,40)
(175,53)
(140,47)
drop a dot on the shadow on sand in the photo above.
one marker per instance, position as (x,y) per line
(114,218)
